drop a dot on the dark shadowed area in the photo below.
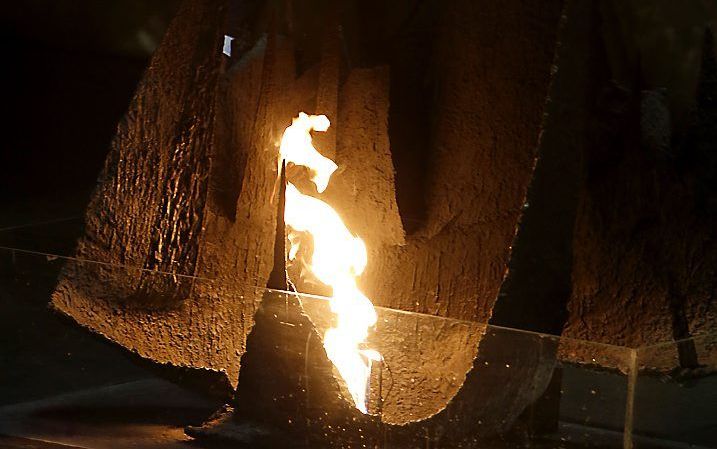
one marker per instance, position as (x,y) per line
(69,71)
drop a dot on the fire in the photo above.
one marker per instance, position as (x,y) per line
(296,147)
(338,257)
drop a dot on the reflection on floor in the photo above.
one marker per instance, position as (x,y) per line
(146,414)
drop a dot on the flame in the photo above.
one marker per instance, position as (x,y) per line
(296,147)
(338,257)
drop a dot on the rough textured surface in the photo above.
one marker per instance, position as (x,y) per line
(419,375)
(149,208)
(490,68)
(204,324)
(364,188)
(210,143)
(424,374)
(644,259)
(485,126)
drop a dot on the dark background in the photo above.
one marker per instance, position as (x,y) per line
(69,71)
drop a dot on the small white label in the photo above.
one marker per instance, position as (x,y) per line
(227,49)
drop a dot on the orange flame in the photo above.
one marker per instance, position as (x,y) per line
(338,257)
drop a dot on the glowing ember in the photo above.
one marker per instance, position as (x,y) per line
(338,257)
